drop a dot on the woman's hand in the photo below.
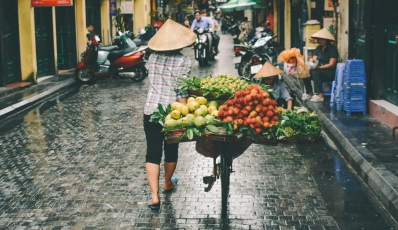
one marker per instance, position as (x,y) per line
(332,63)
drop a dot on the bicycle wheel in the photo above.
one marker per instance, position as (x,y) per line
(225,172)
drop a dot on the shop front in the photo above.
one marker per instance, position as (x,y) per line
(374,39)
(10,65)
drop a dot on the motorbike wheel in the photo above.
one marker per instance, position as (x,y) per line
(140,74)
(83,75)
(241,67)
(247,72)
(201,60)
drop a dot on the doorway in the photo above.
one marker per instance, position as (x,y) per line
(93,15)
(66,37)
(10,61)
(44,41)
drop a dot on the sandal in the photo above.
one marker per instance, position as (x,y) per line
(175,181)
(154,206)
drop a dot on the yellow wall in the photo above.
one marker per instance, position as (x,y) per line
(342,30)
(27,41)
(141,14)
(105,23)
(80,20)
(288,28)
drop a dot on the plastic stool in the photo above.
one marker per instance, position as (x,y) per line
(337,88)
(327,88)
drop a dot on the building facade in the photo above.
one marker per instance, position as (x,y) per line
(364,29)
(40,41)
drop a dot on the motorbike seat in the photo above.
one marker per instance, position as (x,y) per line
(108,48)
(118,53)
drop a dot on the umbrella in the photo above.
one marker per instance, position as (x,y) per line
(229,5)
(246,4)
(237,5)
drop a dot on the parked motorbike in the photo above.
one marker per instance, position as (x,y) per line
(124,63)
(250,58)
(202,47)
(142,40)
(122,41)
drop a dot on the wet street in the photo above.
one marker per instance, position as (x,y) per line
(78,162)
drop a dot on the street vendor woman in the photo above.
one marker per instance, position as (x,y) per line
(269,76)
(165,66)
(326,54)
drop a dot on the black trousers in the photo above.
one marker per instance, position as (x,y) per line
(155,144)
(318,76)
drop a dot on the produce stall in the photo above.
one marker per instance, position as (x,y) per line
(225,115)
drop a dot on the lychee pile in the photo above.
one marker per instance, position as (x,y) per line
(252,107)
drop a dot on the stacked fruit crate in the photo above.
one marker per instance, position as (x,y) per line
(354,87)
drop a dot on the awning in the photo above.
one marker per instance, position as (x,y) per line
(238,5)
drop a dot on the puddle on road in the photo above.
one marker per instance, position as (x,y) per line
(341,191)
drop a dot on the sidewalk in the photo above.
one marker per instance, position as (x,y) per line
(13,100)
(365,143)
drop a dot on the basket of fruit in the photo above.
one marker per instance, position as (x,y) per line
(222,86)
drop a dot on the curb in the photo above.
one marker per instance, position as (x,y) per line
(12,109)
(381,181)
(9,91)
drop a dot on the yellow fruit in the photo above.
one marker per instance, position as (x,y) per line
(174,105)
(190,115)
(201,100)
(175,114)
(170,123)
(200,112)
(215,113)
(212,103)
(184,110)
(204,107)
(168,117)
(211,109)
(199,121)
(179,107)
(187,122)
(192,106)
(190,99)
(209,117)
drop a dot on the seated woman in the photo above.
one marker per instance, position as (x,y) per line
(269,76)
(326,54)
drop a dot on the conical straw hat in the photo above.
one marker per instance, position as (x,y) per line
(268,70)
(171,36)
(323,33)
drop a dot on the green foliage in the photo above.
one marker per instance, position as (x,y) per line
(303,125)
(118,21)
(160,114)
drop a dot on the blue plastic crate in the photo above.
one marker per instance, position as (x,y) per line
(355,68)
(354,71)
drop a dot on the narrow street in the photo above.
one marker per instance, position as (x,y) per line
(78,162)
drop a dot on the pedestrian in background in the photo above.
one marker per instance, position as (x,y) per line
(186,22)
(244,28)
(165,67)
(269,75)
(325,56)
(89,33)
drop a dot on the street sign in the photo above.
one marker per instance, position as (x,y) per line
(126,7)
(39,3)
(112,8)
